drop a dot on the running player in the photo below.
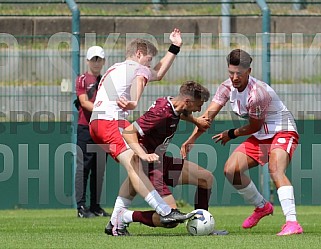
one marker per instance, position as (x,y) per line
(119,92)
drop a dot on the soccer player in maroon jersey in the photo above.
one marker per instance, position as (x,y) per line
(149,137)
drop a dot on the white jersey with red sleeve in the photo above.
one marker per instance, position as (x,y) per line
(258,101)
(116,83)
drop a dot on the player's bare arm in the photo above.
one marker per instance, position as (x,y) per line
(136,91)
(165,63)
(253,126)
(130,135)
(211,112)
(201,122)
(85,103)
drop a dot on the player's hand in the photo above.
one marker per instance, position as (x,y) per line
(185,149)
(122,102)
(222,137)
(176,38)
(126,104)
(151,158)
(203,123)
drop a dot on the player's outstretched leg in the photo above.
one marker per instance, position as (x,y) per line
(257,215)
(175,216)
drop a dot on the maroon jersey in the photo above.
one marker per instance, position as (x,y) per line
(83,84)
(157,126)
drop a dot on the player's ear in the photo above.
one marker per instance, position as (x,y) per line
(187,101)
(138,54)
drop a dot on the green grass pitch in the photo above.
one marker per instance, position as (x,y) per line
(61,228)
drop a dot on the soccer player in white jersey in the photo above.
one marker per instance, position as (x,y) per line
(119,92)
(273,139)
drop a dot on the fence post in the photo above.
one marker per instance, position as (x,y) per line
(299,4)
(226,22)
(266,77)
(157,4)
(75,26)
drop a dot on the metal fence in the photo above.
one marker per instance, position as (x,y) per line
(159,8)
(36,82)
(36,71)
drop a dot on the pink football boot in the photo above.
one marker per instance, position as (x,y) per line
(257,215)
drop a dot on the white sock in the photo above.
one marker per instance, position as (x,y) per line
(286,198)
(157,203)
(120,203)
(252,195)
(128,216)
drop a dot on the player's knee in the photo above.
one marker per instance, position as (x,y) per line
(230,170)
(206,180)
(209,178)
(227,171)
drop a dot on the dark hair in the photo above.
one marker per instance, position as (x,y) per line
(195,90)
(239,57)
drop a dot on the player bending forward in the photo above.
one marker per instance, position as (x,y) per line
(149,137)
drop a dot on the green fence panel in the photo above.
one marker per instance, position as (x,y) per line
(36,171)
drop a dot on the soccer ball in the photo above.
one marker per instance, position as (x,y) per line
(202,223)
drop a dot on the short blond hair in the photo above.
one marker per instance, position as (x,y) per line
(146,47)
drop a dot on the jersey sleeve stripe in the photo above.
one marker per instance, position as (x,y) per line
(138,128)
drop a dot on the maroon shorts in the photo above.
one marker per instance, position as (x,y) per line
(164,174)
(260,150)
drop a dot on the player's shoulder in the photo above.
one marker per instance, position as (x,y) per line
(82,76)
(224,88)
(133,65)
(81,80)
(256,85)
(87,77)
(161,105)
(227,84)
(163,102)
(259,91)
(116,66)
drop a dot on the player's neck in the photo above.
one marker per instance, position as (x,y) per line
(178,105)
(96,74)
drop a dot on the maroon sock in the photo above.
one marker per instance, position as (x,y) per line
(145,217)
(202,198)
